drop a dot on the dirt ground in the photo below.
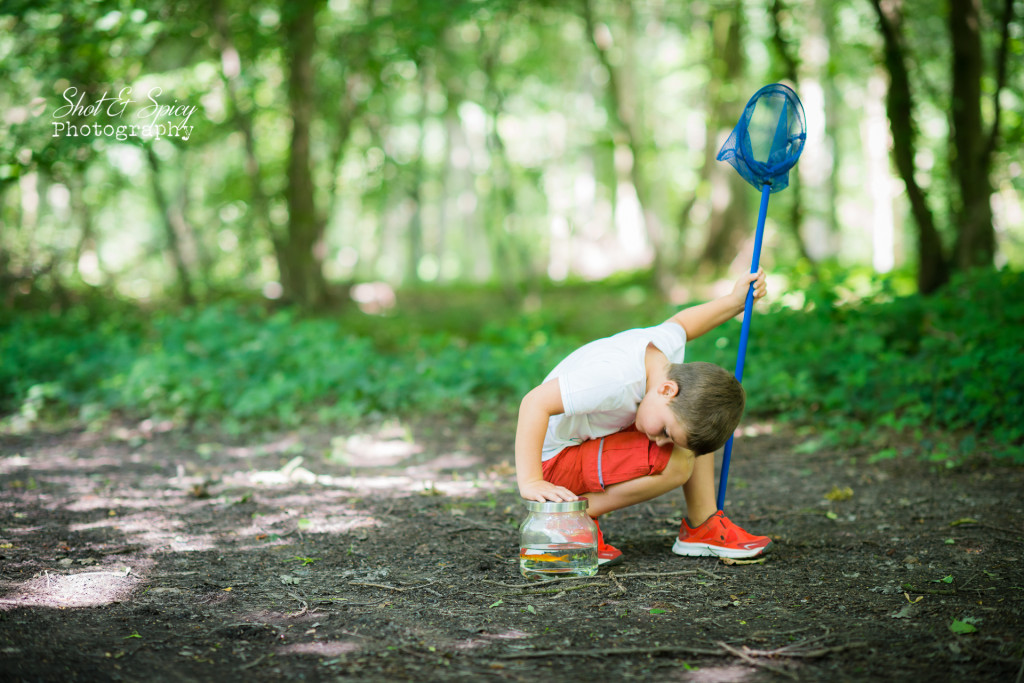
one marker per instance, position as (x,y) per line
(148,554)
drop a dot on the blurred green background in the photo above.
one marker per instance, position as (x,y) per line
(270,214)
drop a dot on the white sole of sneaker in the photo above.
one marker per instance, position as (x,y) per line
(708,550)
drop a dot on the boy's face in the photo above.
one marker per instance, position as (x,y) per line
(655,418)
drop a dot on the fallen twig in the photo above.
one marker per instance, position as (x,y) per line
(685,572)
(341,602)
(253,662)
(722,650)
(742,654)
(560,590)
(391,588)
(731,561)
(611,575)
(604,652)
(305,606)
(635,575)
(932,591)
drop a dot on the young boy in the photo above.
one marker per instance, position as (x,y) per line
(622,420)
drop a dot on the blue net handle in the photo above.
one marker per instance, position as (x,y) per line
(768,139)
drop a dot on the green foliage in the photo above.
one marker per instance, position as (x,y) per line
(239,369)
(939,377)
(907,366)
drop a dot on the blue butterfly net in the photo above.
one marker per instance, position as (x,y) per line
(768,139)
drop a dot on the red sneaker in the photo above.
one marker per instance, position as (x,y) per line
(718,537)
(606,555)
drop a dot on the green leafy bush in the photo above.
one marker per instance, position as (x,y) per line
(225,365)
(943,373)
(911,365)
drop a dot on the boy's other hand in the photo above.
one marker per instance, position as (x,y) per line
(541,491)
(739,290)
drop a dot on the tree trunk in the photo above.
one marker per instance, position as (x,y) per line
(626,117)
(975,244)
(933,267)
(730,193)
(827,16)
(414,250)
(300,263)
(168,219)
(790,71)
(231,73)
(510,258)
(87,238)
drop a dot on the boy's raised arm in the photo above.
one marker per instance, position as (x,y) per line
(540,404)
(705,317)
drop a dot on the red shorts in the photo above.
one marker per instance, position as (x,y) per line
(598,463)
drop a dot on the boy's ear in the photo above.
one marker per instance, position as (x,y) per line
(668,389)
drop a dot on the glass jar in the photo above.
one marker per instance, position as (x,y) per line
(557,540)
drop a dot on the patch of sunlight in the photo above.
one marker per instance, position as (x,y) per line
(338,524)
(153,531)
(365,450)
(431,476)
(84,589)
(286,445)
(485,639)
(758,429)
(470,644)
(292,472)
(56,462)
(139,500)
(511,634)
(13,462)
(448,461)
(715,674)
(374,298)
(326,648)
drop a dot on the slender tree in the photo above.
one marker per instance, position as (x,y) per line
(789,69)
(300,251)
(972,144)
(729,201)
(171,220)
(933,265)
(624,111)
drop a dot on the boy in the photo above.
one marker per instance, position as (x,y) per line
(622,420)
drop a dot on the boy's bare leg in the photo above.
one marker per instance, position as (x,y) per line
(699,490)
(626,493)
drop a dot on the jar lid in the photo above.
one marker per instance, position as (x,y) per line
(571,506)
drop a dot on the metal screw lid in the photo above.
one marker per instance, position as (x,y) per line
(571,506)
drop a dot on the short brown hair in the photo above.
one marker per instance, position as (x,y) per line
(709,404)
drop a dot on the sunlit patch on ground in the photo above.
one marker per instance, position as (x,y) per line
(714,674)
(327,648)
(84,589)
(367,450)
(757,429)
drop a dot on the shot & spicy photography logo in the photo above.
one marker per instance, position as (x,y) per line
(121,116)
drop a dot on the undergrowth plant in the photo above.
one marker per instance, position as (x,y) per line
(940,377)
(937,376)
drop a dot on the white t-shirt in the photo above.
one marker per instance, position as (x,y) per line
(603,382)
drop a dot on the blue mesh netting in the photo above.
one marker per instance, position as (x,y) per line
(768,139)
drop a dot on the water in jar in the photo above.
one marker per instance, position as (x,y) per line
(555,560)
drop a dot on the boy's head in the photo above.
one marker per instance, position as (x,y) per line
(708,405)
(706,402)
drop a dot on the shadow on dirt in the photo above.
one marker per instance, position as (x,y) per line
(392,555)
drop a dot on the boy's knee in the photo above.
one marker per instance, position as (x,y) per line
(680,466)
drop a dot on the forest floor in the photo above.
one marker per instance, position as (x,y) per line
(139,554)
